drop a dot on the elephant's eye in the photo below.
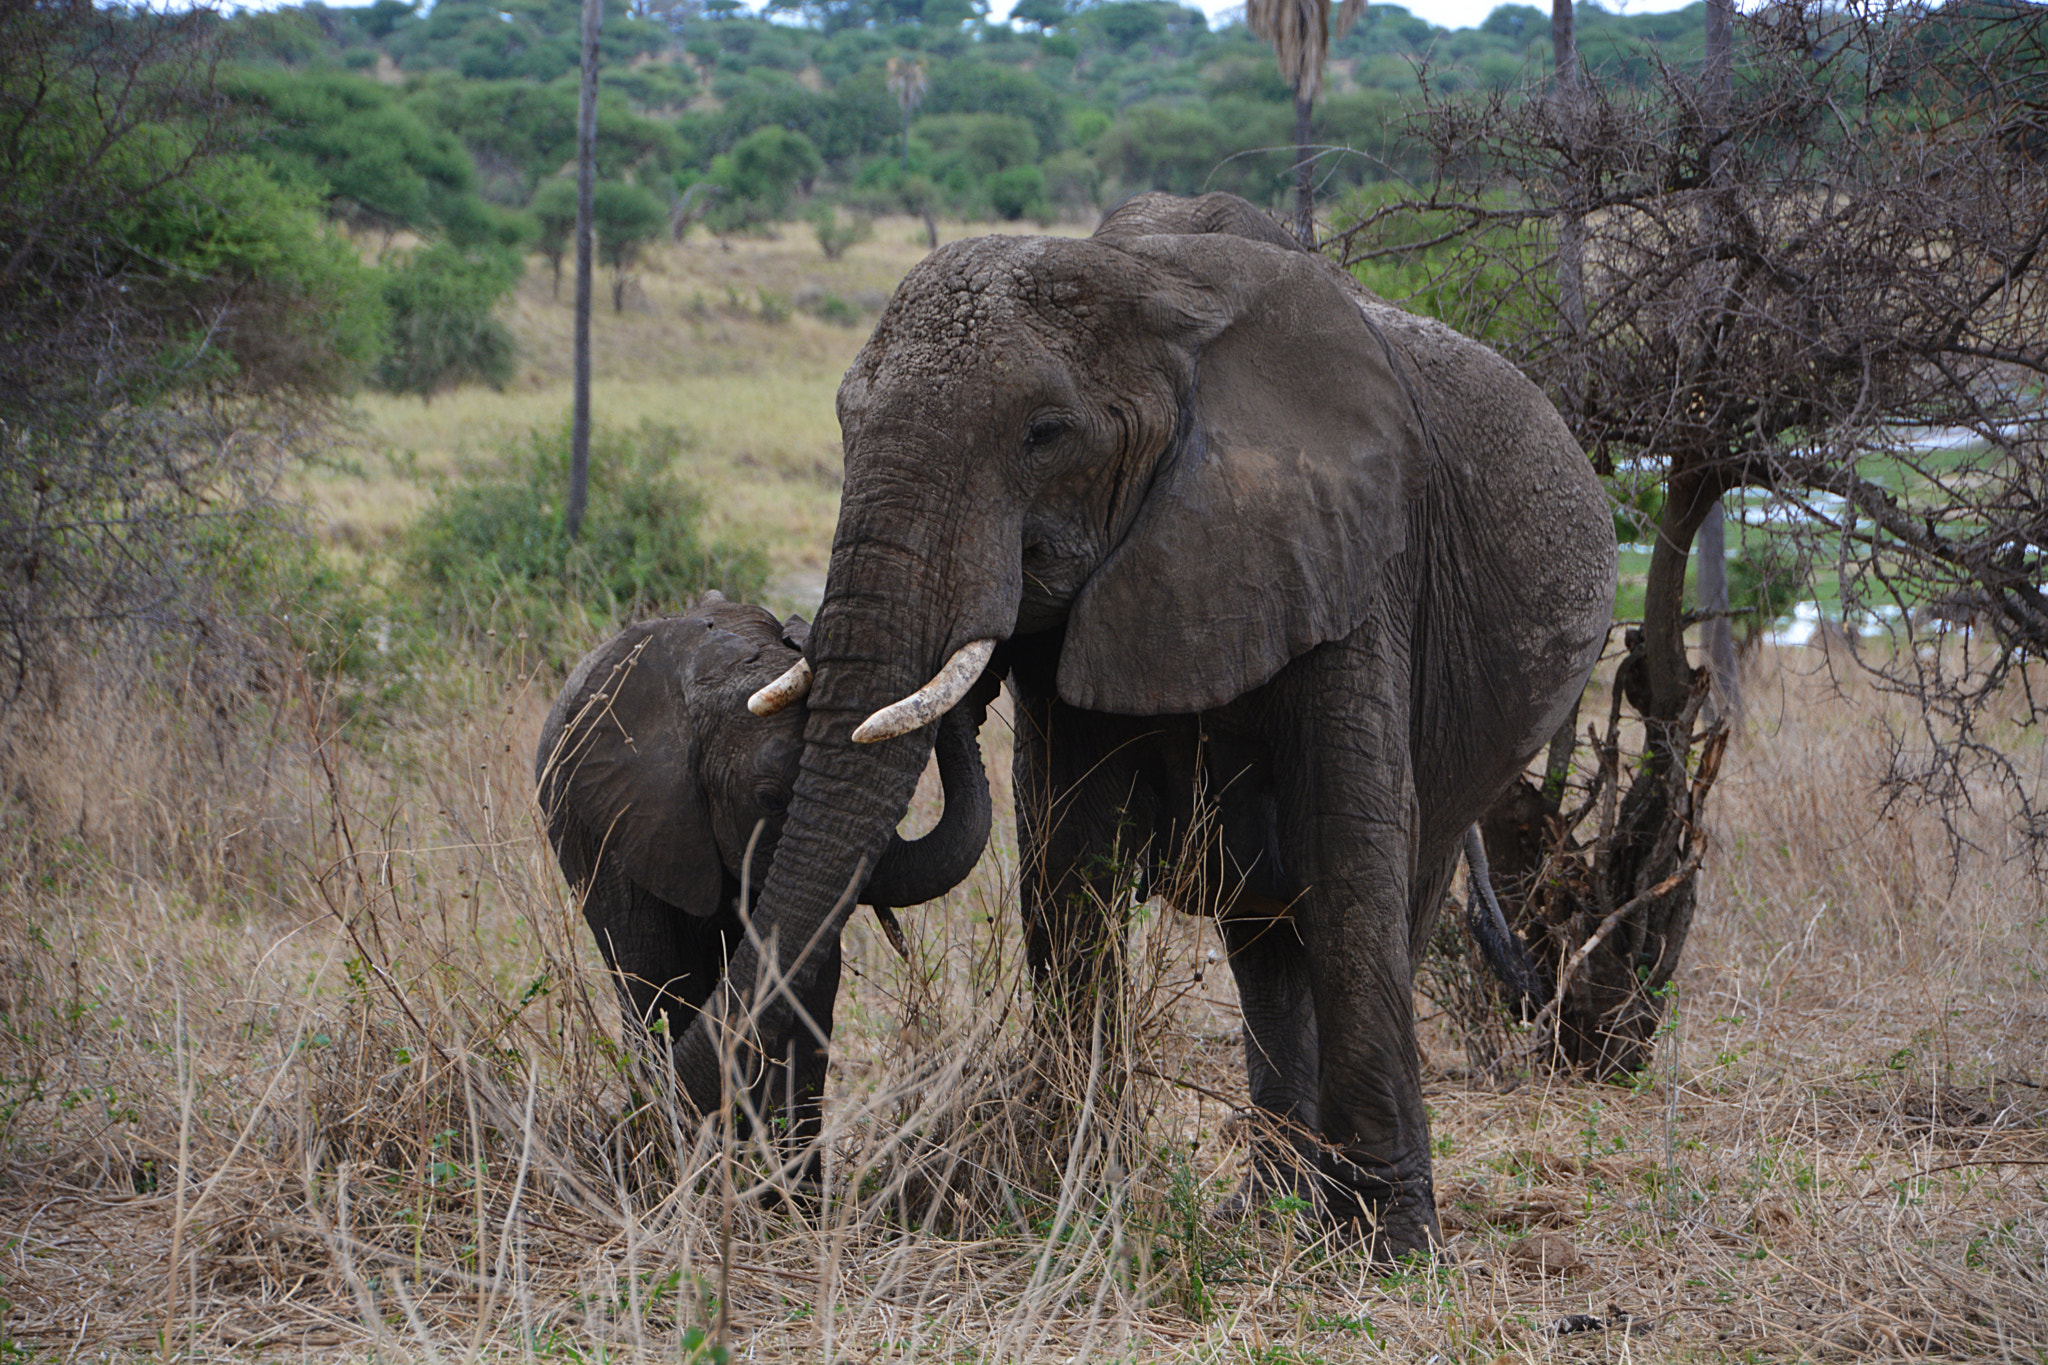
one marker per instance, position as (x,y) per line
(774,800)
(1044,432)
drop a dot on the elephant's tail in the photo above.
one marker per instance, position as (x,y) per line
(1500,945)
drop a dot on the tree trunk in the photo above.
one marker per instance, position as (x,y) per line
(1720,76)
(1713,571)
(1571,232)
(1711,592)
(1304,172)
(586,170)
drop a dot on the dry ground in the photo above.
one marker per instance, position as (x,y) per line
(302,1053)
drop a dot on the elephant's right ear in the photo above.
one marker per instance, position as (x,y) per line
(1267,525)
(618,770)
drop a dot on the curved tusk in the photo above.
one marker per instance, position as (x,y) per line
(931,701)
(793,685)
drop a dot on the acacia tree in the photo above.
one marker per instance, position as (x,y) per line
(1299,31)
(554,209)
(172,324)
(628,218)
(1789,282)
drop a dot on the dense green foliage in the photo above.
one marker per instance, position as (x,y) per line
(442,331)
(493,542)
(171,315)
(1066,110)
(372,159)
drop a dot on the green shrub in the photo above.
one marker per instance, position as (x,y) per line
(759,177)
(1765,579)
(1017,193)
(442,329)
(835,310)
(490,552)
(836,235)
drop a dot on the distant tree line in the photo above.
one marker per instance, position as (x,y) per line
(1061,112)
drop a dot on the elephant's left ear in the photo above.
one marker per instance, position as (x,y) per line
(1268,523)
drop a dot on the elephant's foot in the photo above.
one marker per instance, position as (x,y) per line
(1279,1182)
(1395,1217)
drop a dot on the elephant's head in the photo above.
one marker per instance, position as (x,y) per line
(655,776)
(1042,438)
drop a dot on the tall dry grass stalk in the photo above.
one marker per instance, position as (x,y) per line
(334,1071)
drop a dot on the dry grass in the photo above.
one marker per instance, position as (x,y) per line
(330,1072)
(303,1046)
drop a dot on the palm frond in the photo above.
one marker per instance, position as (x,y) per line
(1300,32)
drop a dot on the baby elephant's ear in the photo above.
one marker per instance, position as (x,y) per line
(620,768)
(1265,531)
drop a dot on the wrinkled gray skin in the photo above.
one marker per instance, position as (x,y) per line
(1250,537)
(653,775)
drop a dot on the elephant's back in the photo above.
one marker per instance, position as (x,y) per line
(1515,539)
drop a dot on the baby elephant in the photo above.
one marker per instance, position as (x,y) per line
(654,776)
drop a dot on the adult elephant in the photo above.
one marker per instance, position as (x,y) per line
(654,779)
(1248,537)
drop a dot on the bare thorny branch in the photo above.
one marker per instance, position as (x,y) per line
(1832,294)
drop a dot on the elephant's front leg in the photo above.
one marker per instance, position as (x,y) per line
(1084,809)
(1349,827)
(1269,962)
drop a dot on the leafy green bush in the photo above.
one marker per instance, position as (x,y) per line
(442,329)
(835,235)
(759,176)
(373,160)
(491,550)
(1765,578)
(1017,193)
(173,322)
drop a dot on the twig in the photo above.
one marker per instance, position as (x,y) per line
(1548,1014)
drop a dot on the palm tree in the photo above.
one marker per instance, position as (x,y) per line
(1299,31)
(907,83)
(586,173)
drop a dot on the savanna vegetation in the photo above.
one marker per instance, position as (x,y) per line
(303,1044)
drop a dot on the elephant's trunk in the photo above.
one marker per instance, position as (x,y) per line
(904,592)
(918,870)
(846,803)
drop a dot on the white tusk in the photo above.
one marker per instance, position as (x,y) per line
(794,685)
(931,701)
